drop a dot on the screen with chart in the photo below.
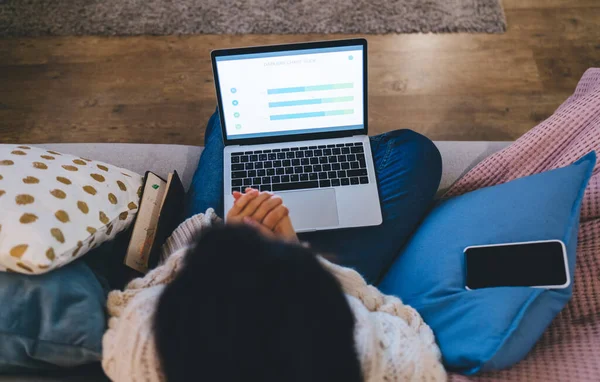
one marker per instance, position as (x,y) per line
(292,92)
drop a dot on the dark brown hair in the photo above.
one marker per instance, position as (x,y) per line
(246,308)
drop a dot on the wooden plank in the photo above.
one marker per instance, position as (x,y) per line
(469,117)
(160,89)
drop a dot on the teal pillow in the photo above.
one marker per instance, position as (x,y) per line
(493,328)
(52,320)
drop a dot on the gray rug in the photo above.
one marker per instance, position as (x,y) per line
(182,17)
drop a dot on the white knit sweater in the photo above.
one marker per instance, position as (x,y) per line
(391,339)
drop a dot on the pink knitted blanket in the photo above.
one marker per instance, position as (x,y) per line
(569,350)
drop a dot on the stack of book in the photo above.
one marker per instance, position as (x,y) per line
(160,210)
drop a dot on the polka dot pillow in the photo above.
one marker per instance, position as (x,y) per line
(55,207)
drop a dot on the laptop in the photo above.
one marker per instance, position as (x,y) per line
(294,121)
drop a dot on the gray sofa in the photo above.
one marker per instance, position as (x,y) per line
(457,157)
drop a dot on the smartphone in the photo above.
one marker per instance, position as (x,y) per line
(538,264)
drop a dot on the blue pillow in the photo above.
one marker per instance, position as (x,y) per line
(52,320)
(493,328)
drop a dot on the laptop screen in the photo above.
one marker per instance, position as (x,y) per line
(292,92)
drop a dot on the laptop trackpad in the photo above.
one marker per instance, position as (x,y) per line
(311,209)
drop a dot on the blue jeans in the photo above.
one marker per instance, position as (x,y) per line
(408,167)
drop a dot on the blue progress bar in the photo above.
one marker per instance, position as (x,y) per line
(311,114)
(299,89)
(315,101)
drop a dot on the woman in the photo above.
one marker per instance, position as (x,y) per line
(244,304)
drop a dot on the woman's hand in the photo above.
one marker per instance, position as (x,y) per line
(264,211)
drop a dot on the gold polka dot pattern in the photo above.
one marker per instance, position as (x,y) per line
(98,177)
(62,216)
(83,207)
(57,234)
(60,194)
(70,168)
(103,218)
(63,180)
(76,251)
(31,180)
(18,250)
(28,218)
(90,190)
(25,267)
(24,199)
(61,206)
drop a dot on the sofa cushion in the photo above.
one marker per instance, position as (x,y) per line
(492,328)
(161,159)
(457,157)
(52,320)
(55,206)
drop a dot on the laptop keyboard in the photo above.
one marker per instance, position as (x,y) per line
(299,168)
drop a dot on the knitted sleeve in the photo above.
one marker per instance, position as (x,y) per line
(129,352)
(173,252)
(354,284)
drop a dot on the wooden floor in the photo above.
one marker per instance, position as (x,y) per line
(160,89)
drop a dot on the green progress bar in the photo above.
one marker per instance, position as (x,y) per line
(314,88)
(311,114)
(315,101)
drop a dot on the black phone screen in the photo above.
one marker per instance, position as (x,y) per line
(524,264)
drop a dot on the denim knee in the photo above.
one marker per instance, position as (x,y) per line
(416,147)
